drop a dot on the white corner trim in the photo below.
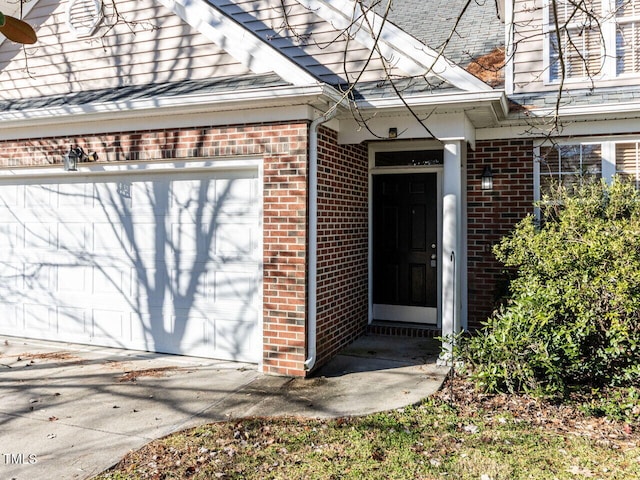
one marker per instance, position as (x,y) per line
(405,51)
(509,43)
(239,42)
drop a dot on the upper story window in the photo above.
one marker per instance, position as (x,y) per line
(627,17)
(592,38)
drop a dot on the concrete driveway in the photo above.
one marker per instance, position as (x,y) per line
(71,411)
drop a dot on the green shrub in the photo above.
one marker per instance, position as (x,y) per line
(573,315)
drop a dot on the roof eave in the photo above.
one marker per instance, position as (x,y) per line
(24,122)
(495,100)
(599,111)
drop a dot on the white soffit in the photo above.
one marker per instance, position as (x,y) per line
(236,40)
(408,53)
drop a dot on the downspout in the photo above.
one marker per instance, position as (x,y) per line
(312,281)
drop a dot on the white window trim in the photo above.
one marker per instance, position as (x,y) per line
(607,152)
(609,49)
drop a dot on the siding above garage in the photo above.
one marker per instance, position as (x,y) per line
(144,43)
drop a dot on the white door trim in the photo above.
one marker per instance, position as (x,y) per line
(410,314)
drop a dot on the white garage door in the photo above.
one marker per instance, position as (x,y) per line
(166,262)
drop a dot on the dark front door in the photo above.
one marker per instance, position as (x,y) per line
(405,235)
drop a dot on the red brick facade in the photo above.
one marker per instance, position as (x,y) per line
(343,231)
(493,214)
(342,226)
(283,148)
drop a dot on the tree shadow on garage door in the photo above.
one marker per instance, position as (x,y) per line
(165,262)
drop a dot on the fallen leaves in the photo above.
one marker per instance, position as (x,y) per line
(457,433)
(133,375)
(47,356)
(563,419)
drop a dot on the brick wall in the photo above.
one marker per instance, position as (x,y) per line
(342,243)
(284,150)
(491,215)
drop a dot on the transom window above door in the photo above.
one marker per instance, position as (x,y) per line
(409,158)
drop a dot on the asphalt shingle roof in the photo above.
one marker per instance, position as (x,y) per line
(432,21)
(141,92)
(574,98)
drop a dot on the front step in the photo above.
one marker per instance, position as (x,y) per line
(396,329)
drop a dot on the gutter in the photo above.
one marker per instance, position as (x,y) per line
(312,281)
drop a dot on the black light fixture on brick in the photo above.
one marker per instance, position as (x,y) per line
(75,156)
(487,178)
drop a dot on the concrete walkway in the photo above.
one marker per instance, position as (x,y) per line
(71,411)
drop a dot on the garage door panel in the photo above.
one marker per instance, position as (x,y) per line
(111,325)
(236,337)
(149,286)
(37,196)
(191,238)
(72,236)
(189,283)
(149,261)
(37,278)
(231,191)
(38,235)
(235,239)
(11,278)
(10,319)
(72,323)
(236,287)
(153,329)
(8,236)
(109,237)
(74,196)
(193,195)
(73,279)
(198,335)
(10,198)
(113,197)
(39,320)
(110,281)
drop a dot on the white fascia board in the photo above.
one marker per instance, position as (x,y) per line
(605,110)
(457,98)
(166,112)
(236,40)
(397,46)
(444,127)
(26,8)
(584,128)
